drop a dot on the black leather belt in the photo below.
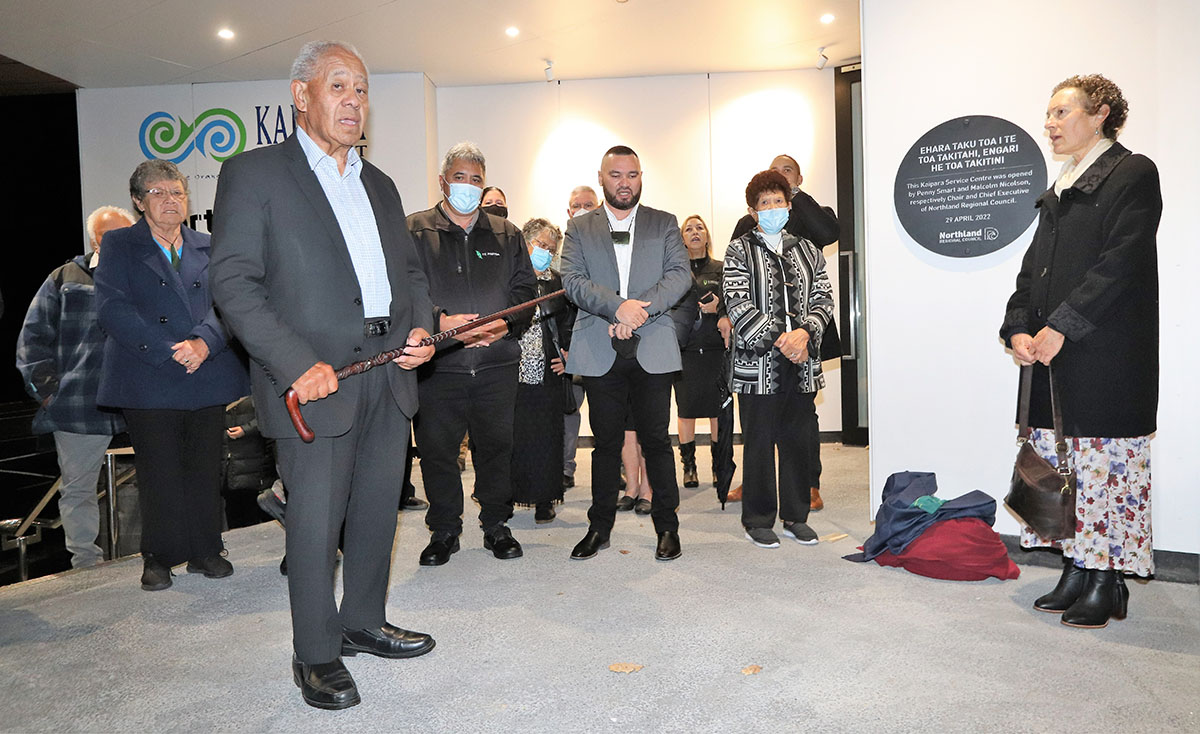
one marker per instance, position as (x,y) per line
(376,327)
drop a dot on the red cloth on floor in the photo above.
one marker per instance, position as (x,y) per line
(959,549)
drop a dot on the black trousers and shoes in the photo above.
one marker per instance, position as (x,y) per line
(627,386)
(325,685)
(591,544)
(386,641)
(440,547)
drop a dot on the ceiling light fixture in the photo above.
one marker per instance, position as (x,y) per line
(225,33)
(512,31)
(549,70)
(827,18)
(822,59)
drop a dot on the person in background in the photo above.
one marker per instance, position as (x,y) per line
(494,202)
(60,354)
(780,301)
(1086,307)
(704,331)
(819,225)
(168,366)
(537,458)
(582,200)
(477,264)
(624,266)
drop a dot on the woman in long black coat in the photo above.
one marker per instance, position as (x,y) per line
(1086,305)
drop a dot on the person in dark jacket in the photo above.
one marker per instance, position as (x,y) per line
(477,264)
(60,355)
(168,366)
(818,224)
(704,336)
(248,459)
(537,464)
(1086,307)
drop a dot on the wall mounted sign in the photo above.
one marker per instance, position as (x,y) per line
(967,187)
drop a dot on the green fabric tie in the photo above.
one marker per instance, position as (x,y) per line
(929,503)
(175,259)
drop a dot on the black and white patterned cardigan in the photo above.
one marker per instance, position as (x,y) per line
(761,289)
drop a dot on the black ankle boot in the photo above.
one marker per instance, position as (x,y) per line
(1104,597)
(1068,589)
(687,455)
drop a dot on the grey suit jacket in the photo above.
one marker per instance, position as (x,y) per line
(283,280)
(658,272)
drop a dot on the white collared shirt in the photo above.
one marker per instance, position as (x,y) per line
(624,253)
(348,198)
(1071,171)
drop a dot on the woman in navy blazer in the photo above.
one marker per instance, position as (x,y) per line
(168,366)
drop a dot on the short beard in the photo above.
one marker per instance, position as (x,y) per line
(632,202)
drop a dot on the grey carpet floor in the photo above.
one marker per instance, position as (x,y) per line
(526,645)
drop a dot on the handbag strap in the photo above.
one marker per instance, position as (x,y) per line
(1060,439)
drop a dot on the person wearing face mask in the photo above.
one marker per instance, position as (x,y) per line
(780,301)
(537,459)
(582,200)
(493,201)
(477,263)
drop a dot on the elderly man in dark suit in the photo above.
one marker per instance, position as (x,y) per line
(624,265)
(312,267)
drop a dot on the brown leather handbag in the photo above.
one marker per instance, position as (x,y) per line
(1042,496)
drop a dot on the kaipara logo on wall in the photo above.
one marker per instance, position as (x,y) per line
(217,133)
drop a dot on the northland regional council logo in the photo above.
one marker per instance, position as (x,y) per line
(217,133)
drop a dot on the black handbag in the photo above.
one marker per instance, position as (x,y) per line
(569,405)
(1042,496)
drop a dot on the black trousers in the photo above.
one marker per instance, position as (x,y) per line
(177,454)
(627,387)
(451,405)
(787,421)
(351,479)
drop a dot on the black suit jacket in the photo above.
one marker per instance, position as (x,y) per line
(284,282)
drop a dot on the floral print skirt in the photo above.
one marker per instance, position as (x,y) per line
(1112,503)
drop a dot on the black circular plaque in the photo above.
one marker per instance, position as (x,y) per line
(967,187)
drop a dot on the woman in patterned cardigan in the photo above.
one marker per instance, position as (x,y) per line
(780,300)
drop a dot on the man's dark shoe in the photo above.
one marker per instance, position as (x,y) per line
(325,685)
(544,513)
(272,504)
(568,481)
(413,503)
(500,541)
(386,642)
(800,532)
(591,544)
(626,503)
(668,546)
(439,549)
(156,575)
(213,567)
(283,567)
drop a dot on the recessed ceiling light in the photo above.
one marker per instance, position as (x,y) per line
(827,18)
(512,31)
(225,33)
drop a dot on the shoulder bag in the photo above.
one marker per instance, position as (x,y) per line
(1042,496)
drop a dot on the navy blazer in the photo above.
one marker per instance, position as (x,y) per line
(144,307)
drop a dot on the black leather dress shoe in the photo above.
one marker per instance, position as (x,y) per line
(386,642)
(500,541)
(413,503)
(325,685)
(668,546)
(438,551)
(591,544)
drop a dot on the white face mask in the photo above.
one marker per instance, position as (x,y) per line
(581,212)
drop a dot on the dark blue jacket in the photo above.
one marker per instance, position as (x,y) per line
(144,308)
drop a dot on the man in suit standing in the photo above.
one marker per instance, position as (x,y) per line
(624,265)
(313,266)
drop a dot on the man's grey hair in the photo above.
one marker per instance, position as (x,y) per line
(94,217)
(151,171)
(464,151)
(580,189)
(304,68)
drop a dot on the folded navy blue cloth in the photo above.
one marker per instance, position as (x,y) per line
(900,521)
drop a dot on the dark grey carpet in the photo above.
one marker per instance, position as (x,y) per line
(525,645)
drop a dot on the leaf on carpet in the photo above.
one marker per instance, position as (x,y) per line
(752,670)
(625,667)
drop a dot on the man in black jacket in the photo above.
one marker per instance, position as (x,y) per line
(476,264)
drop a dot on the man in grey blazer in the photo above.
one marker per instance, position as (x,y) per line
(313,266)
(624,265)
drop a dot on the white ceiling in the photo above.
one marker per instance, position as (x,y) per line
(118,43)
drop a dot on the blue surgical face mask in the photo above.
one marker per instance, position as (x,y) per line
(540,258)
(772,220)
(464,197)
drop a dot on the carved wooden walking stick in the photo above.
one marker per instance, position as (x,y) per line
(293,400)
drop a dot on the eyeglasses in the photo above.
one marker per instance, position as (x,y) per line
(166,193)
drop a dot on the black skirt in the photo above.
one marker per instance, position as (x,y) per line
(698,389)
(537,456)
